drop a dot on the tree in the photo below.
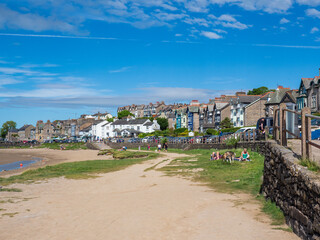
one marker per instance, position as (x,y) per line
(163,122)
(110,119)
(260,91)
(124,113)
(6,127)
(226,123)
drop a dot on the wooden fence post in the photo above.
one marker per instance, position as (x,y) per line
(275,124)
(254,135)
(266,134)
(306,150)
(282,124)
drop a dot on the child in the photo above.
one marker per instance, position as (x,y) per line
(245,155)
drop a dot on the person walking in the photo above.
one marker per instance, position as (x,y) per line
(159,147)
(166,147)
(148,147)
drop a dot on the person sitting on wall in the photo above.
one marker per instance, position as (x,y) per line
(245,155)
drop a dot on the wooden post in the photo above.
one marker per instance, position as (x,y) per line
(284,125)
(266,134)
(281,122)
(305,133)
(254,135)
(275,123)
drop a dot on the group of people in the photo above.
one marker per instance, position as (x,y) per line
(159,147)
(245,156)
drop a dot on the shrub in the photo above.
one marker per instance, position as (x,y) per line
(212,131)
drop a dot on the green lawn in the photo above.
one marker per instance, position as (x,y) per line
(225,177)
(74,170)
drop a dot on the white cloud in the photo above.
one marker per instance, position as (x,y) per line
(227,18)
(311,12)
(178,35)
(229,21)
(54,36)
(309,2)
(210,35)
(284,21)
(123,69)
(287,46)
(4,80)
(28,21)
(314,30)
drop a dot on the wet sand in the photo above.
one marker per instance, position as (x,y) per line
(131,204)
(47,156)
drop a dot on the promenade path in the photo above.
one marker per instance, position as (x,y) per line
(132,204)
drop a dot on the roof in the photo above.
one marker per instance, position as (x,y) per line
(129,122)
(248,98)
(13,130)
(148,124)
(210,107)
(277,96)
(221,105)
(306,82)
(24,127)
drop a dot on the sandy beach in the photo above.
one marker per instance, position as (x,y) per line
(128,204)
(48,157)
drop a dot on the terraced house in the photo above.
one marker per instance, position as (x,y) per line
(309,94)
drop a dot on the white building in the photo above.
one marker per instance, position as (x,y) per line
(133,127)
(123,128)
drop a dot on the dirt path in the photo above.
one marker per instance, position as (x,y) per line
(131,204)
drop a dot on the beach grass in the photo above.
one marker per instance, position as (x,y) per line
(237,177)
(67,146)
(74,170)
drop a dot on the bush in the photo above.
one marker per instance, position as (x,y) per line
(230,130)
(232,142)
(212,131)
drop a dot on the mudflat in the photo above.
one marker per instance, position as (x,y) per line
(131,204)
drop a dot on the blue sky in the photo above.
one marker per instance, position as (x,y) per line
(59,59)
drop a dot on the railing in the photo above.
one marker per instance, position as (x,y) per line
(280,129)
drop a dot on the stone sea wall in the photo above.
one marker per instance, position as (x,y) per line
(294,189)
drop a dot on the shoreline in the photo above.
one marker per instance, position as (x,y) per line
(48,157)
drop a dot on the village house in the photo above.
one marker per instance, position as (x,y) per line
(255,110)
(237,113)
(221,111)
(12,135)
(309,94)
(281,95)
(26,133)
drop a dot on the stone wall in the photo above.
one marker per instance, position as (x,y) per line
(294,189)
(256,146)
(16,144)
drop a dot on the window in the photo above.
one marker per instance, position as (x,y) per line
(138,127)
(313,101)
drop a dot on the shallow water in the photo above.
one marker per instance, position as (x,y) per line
(16,165)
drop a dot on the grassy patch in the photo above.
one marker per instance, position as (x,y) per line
(10,190)
(125,154)
(73,170)
(236,177)
(273,211)
(311,165)
(283,229)
(67,146)
(9,214)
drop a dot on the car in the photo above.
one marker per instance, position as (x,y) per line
(243,130)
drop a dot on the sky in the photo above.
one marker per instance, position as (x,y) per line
(60,59)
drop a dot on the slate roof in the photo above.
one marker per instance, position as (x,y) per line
(277,96)
(306,82)
(13,130)
(148,124)
(24,127)
(130,122)
(248,98)
(221,105)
